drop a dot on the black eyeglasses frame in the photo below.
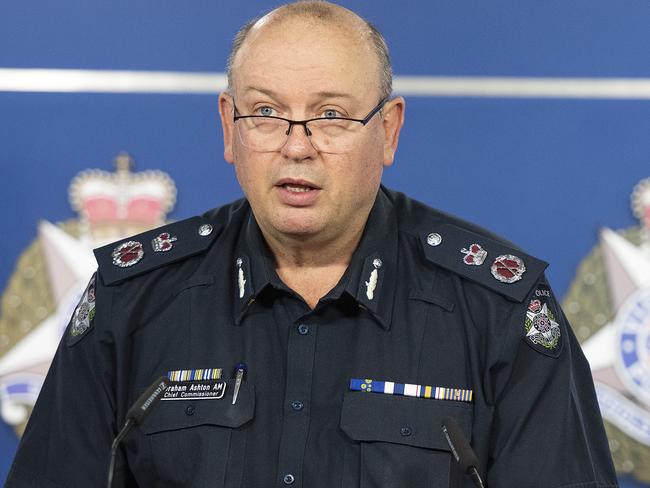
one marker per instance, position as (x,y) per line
(364,121)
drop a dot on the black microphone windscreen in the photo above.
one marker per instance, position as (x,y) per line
(460,447)
(148,399)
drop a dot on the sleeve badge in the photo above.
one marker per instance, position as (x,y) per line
(84,313)
(541,328)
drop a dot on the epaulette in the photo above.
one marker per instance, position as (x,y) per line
(144,252)
(482,259)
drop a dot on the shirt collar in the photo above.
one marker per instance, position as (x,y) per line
(254,268)
(370,278)
(373,269)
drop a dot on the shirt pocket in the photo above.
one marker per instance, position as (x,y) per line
(401,443)
(197,442)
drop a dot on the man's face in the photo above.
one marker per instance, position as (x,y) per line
(300,69)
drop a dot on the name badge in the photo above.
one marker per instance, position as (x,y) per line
(195,390)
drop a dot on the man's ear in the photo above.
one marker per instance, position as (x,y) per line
(392,120)
(226,111)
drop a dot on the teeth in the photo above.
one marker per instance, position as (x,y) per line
(297,188)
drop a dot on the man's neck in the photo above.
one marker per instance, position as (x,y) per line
(313,266)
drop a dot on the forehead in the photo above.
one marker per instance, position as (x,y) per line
(301,57)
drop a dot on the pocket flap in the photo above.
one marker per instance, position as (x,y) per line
(192,412)
(402,420)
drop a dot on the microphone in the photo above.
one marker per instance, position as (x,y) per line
(462,451)
(136,414)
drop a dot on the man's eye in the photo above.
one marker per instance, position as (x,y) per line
(331,113)
(266,111)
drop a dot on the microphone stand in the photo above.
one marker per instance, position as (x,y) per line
(111,468)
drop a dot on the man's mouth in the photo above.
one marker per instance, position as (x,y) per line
(297,186)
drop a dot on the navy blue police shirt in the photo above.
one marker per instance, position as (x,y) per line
(433,318)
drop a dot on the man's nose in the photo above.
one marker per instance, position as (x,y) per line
(299,144)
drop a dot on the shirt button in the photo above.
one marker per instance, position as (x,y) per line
(288,479)
(189,410)
(297,405)
(303,329)
(405,431)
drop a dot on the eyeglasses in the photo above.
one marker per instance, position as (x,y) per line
(267,133)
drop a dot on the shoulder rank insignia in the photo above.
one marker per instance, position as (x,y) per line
(508,268)
(511,273)
(170,243)
(127,254)
(84,313)
(474,256)
(541,328)
(163,242)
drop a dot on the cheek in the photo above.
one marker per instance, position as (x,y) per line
(247,178)
(253,173)
(245,174)
(367,164)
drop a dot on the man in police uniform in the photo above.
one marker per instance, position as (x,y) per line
(356,318)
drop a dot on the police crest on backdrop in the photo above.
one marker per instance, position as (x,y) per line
(608,305)
(51,281)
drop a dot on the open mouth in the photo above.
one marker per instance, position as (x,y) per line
(297,186)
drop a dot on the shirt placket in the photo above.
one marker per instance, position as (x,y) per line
(297,400)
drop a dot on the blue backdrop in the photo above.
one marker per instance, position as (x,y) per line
(546,173)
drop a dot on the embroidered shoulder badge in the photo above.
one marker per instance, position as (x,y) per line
(541,327)
(84,314)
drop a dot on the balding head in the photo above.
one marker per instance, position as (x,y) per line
(324,13)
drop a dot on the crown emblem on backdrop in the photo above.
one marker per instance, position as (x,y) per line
(123,202)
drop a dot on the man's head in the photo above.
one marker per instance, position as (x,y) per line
(325,12)
(302,61)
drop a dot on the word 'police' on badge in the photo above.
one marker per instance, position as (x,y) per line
(195,390)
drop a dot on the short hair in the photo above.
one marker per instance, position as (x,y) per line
(324,11)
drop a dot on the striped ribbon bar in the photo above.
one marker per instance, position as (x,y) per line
(406,389)
(195,374)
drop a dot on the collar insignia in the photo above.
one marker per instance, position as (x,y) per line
(371,284)
(241,282)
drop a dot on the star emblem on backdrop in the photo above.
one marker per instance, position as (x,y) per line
(608,305)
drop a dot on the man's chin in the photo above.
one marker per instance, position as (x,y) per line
(298,227)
